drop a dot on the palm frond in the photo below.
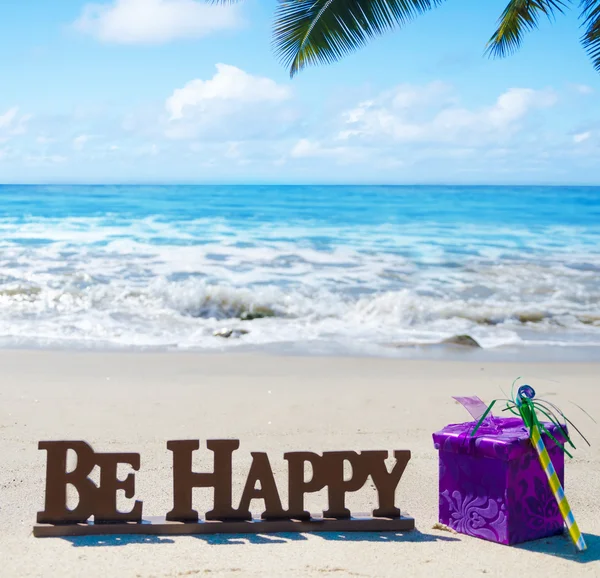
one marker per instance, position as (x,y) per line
(519,17)
(322,31)
(590,13)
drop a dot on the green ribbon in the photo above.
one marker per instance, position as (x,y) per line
(524,405)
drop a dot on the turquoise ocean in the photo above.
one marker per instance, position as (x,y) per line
(348,269)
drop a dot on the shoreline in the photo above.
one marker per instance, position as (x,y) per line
(405,352)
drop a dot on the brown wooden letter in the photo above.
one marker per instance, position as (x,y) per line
(386,482)
(332,466)
(97,501)
(184,480)
(105,507)
(297,487)
(260,471)
(57,478)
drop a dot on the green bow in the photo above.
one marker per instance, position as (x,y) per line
(524,405)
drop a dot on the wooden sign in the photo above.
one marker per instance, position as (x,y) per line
(100,501)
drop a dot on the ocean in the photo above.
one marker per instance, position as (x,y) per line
(345,269)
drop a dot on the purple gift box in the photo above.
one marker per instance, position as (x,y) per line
(492,485)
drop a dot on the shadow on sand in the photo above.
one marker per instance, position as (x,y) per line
(412,536)
(238,539)
(122,540)
(562,547)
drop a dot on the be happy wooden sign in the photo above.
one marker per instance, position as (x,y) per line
(100,500)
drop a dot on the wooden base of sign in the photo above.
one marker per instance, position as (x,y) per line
(159,526)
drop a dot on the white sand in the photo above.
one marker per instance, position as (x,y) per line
(136,402)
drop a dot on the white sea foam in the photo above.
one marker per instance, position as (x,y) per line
(146,282)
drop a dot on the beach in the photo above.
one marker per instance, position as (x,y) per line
(249,272)
(291,318)
(137,401)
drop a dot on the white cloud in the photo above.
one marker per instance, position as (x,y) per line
(500,118)
(43,159)
(228,84)
(581,137)
(312,149)
(8,117)
(411,114)
(231,123)
(405,100)
(231,106)
(155,21)
(305,148)
(80,141)
(514,104)
(21,126)
(11,124)
(583,89)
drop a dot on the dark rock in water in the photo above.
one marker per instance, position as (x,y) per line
(226,333)
(489,321)
(464,340)
(257,313)
(531,317)
(461,340)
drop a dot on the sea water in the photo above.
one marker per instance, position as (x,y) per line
(360,268)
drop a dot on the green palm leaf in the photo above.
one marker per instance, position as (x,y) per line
(322,31)
(520,16)
(310,32)
(590,12)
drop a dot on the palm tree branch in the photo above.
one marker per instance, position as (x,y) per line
(316,31)
(520,16)
(590,13)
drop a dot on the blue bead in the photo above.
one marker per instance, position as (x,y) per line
(526,391)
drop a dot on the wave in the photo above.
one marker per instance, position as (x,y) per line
(187,313)
(199,299)
(155,281)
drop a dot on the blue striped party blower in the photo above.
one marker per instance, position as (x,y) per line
(522,404)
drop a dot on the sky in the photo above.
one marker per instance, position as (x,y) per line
(180,91)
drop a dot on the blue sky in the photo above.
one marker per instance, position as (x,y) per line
(178,91)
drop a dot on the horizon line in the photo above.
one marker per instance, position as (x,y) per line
(286,184)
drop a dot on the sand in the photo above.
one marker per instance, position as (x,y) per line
(137,401)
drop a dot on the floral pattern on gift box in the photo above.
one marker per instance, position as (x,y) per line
(477,516)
